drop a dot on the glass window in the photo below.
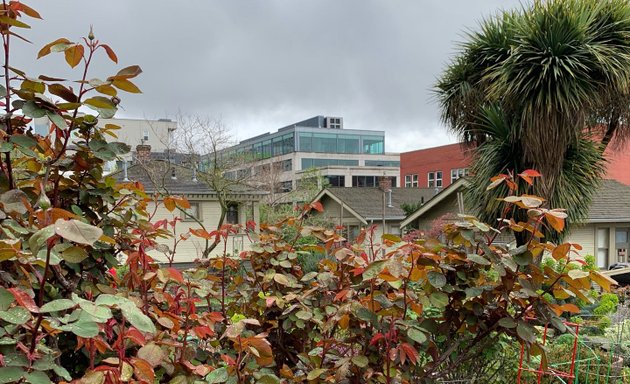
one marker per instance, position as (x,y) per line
(284,186)
(603,239)
(277,146)
(288,143)
(305,141)
(364,181)
(381,163)
(193,213)
(348,144)
(231,216)
(287,165)
(373,144)
(456,173)
(621,235)
(407,181)
(438,179)
(336,181)
(431,179)
(325,142)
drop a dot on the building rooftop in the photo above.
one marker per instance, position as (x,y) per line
(610,203)
(368,202)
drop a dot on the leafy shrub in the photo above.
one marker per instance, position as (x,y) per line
(66,316)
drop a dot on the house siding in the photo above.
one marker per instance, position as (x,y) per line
(446,207)
(192,248)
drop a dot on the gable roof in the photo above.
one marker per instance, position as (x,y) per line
(157,176)
(610,203)
(367,203)
(446,192)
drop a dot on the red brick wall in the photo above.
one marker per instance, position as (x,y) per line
(423,161)
(453,156)
(618,163)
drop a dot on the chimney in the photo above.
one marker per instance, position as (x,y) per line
(143,153)
(385,183)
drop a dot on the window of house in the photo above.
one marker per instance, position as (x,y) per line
(407,181)
(231,216)
(456,173)
(287,165)
(622,244)
(193,213)
(284,186)
(431,179)
(438,179)
(145,135)
(414,181)
(602,241)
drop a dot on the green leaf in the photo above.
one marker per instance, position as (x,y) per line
(367,315)
(37,377)
(524,259)
(11,374)
(439,299)
(30,109)
(374,269)
(360,361)
(392,238)
(526,332)
(16,315)
(84,328)
(137,318)
(23,141)
(507,322)
(77,231)
(477,259)
(281,279)
(416,335)
(304,315)
(436,279)
(314,374)
(100,102)
(57,305)
(14,201)
(219,375)
(74,254)
(6,298)
(56,119)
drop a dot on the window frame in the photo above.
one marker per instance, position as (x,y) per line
(185,215)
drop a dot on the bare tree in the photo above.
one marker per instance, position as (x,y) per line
(204,141)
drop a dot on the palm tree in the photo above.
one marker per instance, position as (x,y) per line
(534,88)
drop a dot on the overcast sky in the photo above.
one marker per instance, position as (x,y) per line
(261,65)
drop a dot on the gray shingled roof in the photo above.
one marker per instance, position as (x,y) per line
(610,203)
(156,176)
(368,202)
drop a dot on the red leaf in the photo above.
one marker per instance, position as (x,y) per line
(110,53)
(175,275)
(203,332)
(411,352)
(570,308)
(341,296)
(135,336)
(317,206)
(376,338)
(24,300)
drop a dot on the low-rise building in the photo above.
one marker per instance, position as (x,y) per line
(166,178)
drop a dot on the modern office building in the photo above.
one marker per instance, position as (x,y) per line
(346,157)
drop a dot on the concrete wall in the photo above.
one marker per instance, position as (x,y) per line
(132,132)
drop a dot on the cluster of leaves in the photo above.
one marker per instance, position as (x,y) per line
(374,310)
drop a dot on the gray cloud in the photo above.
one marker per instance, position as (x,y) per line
(265,64)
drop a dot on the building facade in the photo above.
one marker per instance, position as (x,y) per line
(345,157)
(439,167)
(436,167)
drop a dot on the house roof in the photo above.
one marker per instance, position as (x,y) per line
(164,177)
(610,203)
(367,203)
(446,192)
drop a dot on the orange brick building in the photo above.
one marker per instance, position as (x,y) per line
(438,167)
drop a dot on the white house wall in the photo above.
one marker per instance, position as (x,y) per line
(191,249)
